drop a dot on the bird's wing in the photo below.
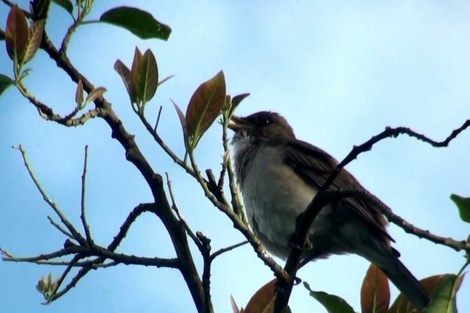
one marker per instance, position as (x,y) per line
(315,166)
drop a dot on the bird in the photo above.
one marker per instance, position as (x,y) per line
(279,175)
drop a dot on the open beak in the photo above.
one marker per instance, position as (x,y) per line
(237,124)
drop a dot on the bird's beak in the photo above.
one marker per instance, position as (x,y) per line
(238,123)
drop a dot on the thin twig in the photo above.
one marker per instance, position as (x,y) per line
(158,119)
(175,208)
(86,227)
(63,231)
(76,235)
(133,215)
(391,133)
(229,248)
(75,259)
(236,202)
(41,257)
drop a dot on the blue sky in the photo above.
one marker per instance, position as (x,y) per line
(339,72)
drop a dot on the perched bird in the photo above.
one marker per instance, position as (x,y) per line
(278,177)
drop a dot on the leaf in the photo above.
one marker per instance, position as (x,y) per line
(463,204)
(65,4)
(263,300)
(16,34)
(183,123)
(443,301)
(146,79)
(79,94)
(237,99)
(139,22)
(5,82)
(235,308)
(126,76)
(375,293)
(332,303)
(204,107)
(430,284)
(164,80)
(135,63)
(95,93)
(34,40)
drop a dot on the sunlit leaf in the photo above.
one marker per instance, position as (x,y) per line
(126,76)
(95,93)
(146,80)
(138,22)
(375,293)
(34,41)
(234,305)
(263,299)
(5,82)
(16,34)
(430,284)
(65,4)
(79,94)
(183,123)
(332,303)
(205,105)
(463,204)
(443,299)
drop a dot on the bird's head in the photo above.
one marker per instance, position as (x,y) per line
(260,127)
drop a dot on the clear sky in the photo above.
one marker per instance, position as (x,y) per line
(339,72)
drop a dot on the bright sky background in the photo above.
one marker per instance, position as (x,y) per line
(339,72)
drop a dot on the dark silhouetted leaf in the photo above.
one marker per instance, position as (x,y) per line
(205,105)
(332,303)
(5,82)
(263,299)
(126,76)
(237,99)
(95,93)
(138,22)
(65,4)
(235,308)
(375,293)
(165,79)
(16,34)
(463,204)
(146,78)
(79,94)
(183,123)
(34,41)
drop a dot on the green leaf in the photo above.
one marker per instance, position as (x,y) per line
(95,93)
(139,22)
(65,4)
(34,41)
(146,79)
(443,299)
(5,82)
(126,76)
(332,303)
(205,105)
(463,204)
(16,34)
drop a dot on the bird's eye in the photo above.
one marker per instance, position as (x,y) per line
(264,121)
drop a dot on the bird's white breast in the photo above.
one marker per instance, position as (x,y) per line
(274,195)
